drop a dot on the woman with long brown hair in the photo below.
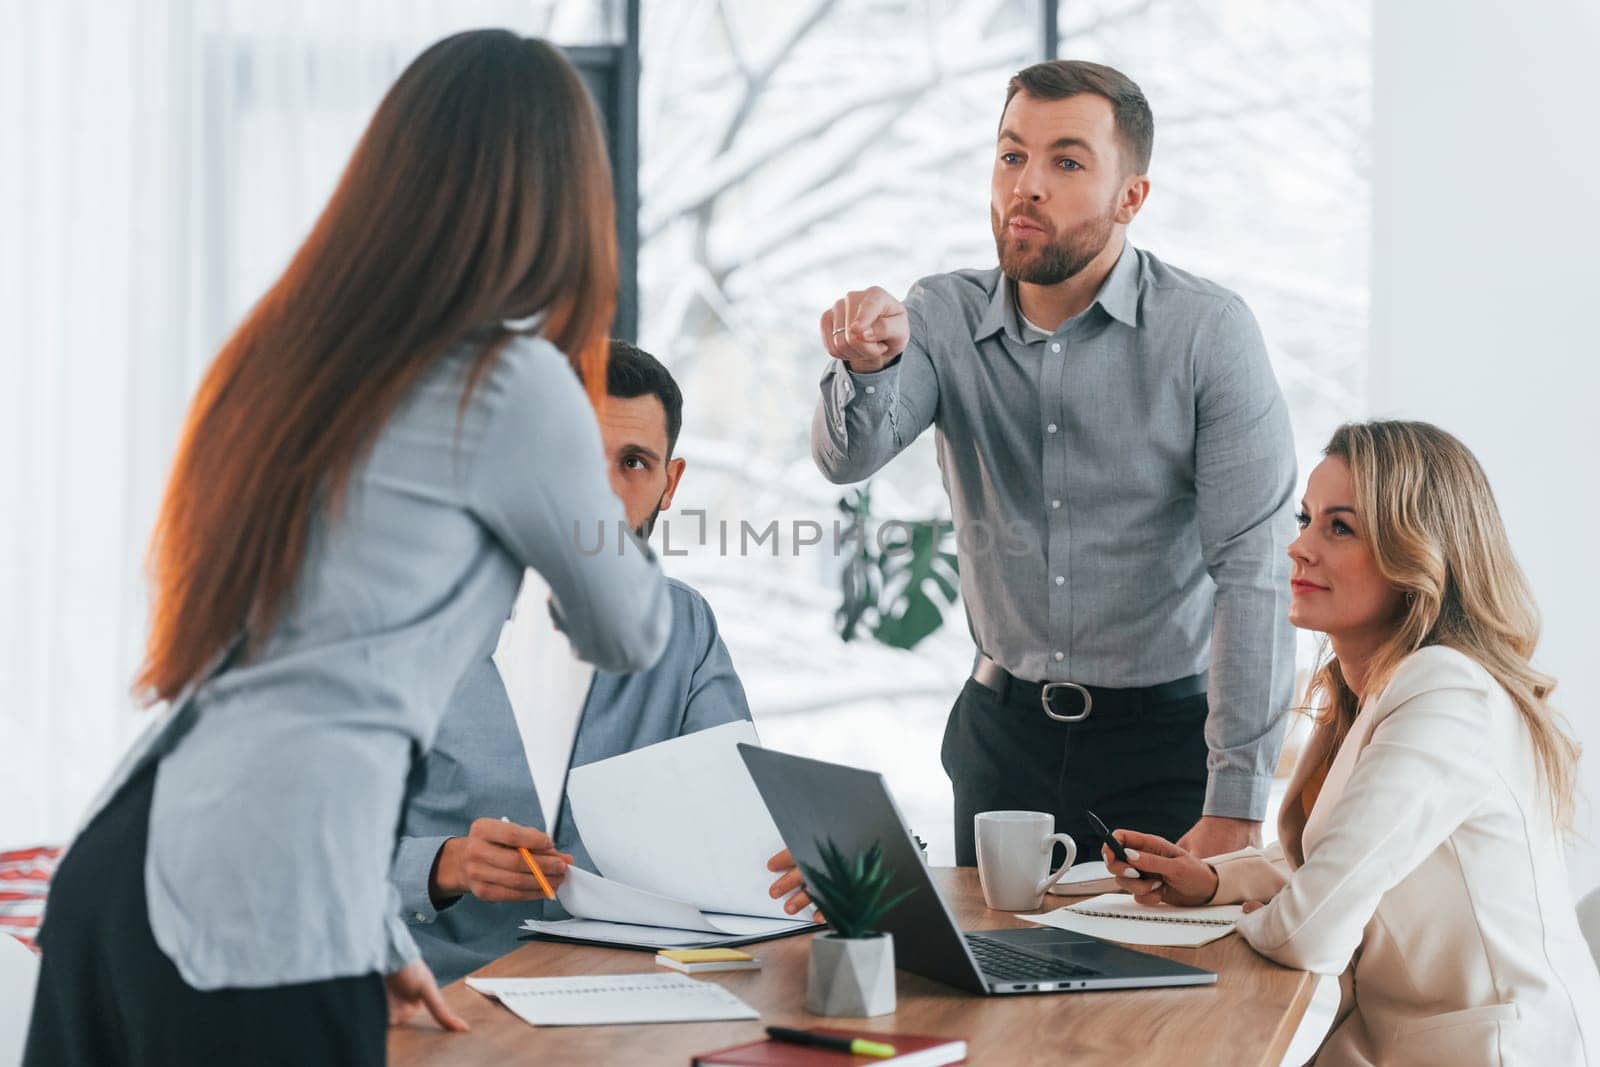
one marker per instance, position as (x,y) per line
(390,437)
(1422,830)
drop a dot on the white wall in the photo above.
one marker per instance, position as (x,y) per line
(1486,290)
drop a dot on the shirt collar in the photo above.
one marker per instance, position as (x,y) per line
(1001,312)
(1118,295)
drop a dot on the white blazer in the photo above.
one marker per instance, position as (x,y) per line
(1430,876)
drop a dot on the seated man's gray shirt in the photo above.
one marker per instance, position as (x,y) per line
(477,769)
(1121,490)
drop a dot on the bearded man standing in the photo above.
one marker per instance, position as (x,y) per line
(1120,469)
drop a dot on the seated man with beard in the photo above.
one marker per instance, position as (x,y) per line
(504,746)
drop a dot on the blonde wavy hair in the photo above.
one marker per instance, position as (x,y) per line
(1436,535)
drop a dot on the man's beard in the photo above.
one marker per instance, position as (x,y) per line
(648,527)
(1057,258)
(645,529)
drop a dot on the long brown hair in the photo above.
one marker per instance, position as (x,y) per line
(479,193)
(1436,534)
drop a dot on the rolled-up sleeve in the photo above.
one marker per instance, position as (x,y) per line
(1244,485)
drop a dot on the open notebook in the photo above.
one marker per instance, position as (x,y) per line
(681,838)
(1118,917)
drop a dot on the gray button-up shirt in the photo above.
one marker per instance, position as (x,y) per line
(282,778)
(477,768)
(1121,490)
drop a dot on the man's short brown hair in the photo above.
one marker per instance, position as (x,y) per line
(1057,79)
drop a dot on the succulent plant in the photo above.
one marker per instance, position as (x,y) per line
(850,891)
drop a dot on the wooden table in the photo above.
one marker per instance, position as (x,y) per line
(1248,1017)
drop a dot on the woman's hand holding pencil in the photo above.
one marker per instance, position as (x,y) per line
(498,861)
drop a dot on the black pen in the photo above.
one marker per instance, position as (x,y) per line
(856,1046)
(1105,835)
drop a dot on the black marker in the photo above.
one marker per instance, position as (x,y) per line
(856,1046)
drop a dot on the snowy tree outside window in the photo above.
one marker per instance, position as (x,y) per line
(793,151)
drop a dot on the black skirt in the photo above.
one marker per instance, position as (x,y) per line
(108,996)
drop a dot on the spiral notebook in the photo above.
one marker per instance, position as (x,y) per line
(608,999)
(1117,917)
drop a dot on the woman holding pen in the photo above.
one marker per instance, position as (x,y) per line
(396,430)
(1422,831)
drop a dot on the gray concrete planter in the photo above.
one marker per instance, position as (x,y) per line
(851,977)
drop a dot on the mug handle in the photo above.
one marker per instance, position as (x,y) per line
(1072,853)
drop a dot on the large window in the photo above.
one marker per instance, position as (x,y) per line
(165,157)
(791,152)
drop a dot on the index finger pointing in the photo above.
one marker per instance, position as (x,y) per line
(868,308)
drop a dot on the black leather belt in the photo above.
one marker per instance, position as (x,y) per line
(1072,702)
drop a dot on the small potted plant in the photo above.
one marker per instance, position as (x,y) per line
(852,966)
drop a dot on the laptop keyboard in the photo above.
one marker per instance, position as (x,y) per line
(1006,963)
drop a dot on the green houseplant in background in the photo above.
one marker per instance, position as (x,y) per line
(851,972)
(900,578)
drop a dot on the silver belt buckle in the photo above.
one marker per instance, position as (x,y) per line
(1049,689)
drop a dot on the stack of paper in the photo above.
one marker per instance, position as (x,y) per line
(682,839)
(1118,917)
(602,1000)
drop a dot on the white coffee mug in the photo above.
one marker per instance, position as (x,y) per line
(1014,857)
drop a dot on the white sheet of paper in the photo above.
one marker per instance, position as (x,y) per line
(683,820)
(654,936)
(754,925)
(589,896)
(604,1000)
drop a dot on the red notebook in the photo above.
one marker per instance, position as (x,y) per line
(910,1051)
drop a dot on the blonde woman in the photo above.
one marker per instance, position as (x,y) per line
(1422,831)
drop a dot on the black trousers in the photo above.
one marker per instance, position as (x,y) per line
(108,996)
(1138,766)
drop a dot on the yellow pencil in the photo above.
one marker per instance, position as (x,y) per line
(527,857)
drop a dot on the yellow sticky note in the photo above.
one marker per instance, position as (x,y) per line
(706,955)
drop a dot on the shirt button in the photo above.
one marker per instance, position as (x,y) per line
(1051,428)
(1055,503)
(1055,346)
(1060,656)
(1060,579)
(421,918)
(872,389)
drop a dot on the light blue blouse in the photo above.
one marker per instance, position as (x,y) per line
(281,781)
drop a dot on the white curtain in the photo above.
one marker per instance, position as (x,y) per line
(159,161)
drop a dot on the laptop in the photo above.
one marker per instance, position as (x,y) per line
(810,800)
